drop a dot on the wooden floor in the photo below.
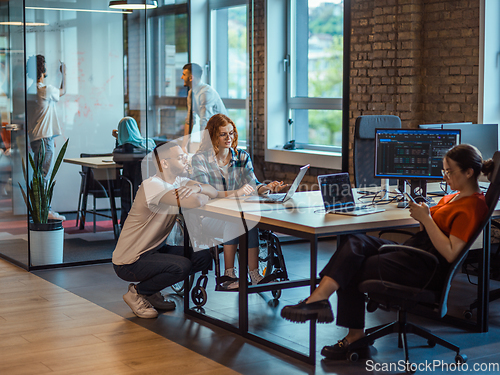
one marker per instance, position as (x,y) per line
(74,321)
(45,329)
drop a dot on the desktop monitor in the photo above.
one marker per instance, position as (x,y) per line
(483,136)
(441,126)
(413,154)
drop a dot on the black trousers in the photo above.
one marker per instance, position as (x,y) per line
(356,260)
(162,267)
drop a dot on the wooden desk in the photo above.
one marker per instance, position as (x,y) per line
(234,205)
(304,219)
(102,162)
(308,221)
(104,169)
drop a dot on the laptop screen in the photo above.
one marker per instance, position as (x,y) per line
(296,182)
(336,190)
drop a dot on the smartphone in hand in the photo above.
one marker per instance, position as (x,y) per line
(410,197)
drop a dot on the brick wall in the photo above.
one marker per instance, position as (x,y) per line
(416,59)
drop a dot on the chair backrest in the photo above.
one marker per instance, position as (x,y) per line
(92,184)
(491,197)
(364,146)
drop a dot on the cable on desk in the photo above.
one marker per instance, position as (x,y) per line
(378,198)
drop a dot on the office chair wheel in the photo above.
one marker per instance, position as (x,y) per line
(352,356)
(431,343)
(410,368)
(460,358)
(276,293)
(467,314)
(199,296)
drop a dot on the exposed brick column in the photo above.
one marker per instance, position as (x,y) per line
(416,59)
(450,61)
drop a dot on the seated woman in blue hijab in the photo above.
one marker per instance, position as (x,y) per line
(130,149)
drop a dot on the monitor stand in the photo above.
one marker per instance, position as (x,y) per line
(418,190)
(440,192)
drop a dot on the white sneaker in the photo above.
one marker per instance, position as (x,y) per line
(56,216)
(231,272)
(139,304)
(255,276)
(159,301)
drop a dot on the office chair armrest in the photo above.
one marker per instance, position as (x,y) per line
(388,248)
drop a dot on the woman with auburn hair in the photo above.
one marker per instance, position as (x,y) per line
(229,170)
(444,231)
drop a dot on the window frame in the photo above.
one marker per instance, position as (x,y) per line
(279,102)
(230,103)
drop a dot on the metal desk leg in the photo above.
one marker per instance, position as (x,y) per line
(187,287)
(243,286)
(83,212)
(312,323)
(112,205)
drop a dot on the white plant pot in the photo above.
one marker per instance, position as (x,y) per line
(46,243)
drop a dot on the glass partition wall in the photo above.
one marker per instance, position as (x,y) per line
(77,68)
(13,218)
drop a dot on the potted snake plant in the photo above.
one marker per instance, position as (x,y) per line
(46,235)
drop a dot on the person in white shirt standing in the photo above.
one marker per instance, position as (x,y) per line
(202,98)
(43,122)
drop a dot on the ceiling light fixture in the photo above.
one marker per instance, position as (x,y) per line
(133,4)
(19,23)
(79,10)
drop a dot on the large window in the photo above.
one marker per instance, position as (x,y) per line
(229,59)
(305,81)
(315,72)
(168,33)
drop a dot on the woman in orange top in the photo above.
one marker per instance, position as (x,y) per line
(445,229)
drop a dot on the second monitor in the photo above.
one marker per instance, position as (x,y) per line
(484,136)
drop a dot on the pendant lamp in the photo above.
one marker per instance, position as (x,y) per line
(133,4)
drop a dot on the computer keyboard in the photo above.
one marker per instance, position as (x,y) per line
(275,196)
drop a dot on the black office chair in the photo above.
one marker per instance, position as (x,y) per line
(90,186)
(404,298)
(130,159)
(364,147)
(364,151)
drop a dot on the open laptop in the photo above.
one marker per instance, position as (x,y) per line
(281,197)
(338,198)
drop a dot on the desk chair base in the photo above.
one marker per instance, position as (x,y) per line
(493,296)
(402,327)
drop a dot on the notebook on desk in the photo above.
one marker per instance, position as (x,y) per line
(281,197)
(338,197)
